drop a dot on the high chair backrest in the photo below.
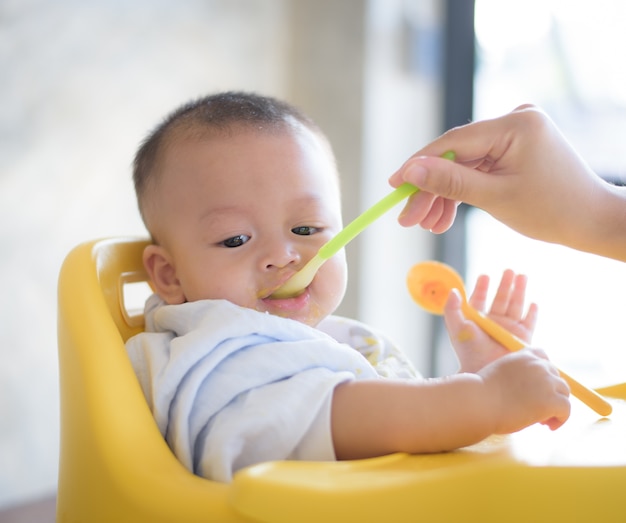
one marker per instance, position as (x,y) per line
(118,265)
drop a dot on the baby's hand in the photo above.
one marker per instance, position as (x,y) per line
(473,347)
(507,308)
(526,389)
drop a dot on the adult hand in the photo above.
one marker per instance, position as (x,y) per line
(521,170)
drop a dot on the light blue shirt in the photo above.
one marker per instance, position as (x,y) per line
(230,387)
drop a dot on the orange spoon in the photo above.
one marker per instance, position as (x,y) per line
(430,284)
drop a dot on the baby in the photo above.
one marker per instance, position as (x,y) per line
(238,192)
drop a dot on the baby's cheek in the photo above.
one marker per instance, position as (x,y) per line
(335,279)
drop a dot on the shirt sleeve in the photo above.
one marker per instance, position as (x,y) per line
(289,419)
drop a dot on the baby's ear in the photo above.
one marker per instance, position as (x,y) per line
(160,268)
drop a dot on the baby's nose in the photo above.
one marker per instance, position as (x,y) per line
(280,255)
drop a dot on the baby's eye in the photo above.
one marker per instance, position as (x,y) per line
(305,230)
(236,241)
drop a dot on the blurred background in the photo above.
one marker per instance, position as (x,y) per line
(85,81)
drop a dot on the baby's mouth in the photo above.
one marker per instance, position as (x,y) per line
(267,293)
(290,305)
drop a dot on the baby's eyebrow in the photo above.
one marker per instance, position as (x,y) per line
(311,199)
(305,201)
(218,212)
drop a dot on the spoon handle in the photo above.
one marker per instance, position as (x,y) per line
(354,228)
(347,234)
(588,396)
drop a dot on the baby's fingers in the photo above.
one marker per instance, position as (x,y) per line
(502,301)
(453,316)
(478,299)
(530,320)
(540,353)
(558,396)
(561,408)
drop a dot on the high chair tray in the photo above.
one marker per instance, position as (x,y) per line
(576,473)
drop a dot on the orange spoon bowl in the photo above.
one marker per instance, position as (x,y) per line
(430,283)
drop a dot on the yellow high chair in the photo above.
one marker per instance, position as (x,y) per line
(116,467)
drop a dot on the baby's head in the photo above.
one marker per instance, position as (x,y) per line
(238,192)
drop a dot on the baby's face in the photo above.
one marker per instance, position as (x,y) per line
(238,215)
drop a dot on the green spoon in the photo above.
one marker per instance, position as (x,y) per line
(301,279)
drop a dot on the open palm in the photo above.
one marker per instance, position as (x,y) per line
(475,348)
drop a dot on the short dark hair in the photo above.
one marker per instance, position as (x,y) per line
(217,113)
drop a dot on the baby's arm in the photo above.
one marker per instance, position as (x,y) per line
(473,347)
(376,417)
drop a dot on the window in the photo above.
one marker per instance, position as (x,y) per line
(565,57)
